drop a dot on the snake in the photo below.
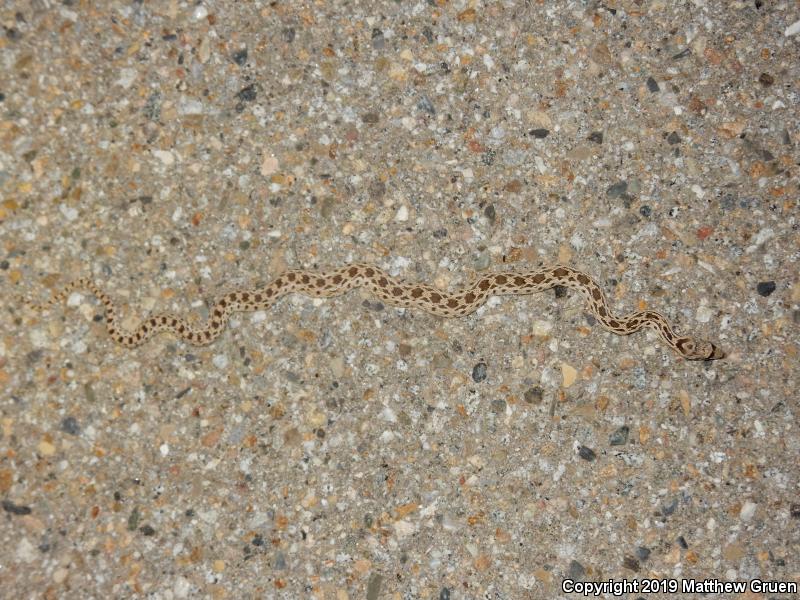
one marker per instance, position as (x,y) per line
(394,292)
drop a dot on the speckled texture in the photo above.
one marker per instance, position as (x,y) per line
(344,449)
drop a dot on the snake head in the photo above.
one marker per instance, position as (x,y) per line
(694,349)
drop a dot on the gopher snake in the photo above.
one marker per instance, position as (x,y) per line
(396,293)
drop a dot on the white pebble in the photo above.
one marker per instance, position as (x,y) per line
(126,77)
(402,214)
(542,328)
(188,106)
(200,12)
(704,314)
(69,212)
(164,449)
(792,29)
(748,510)
(25,551)
(698,191)
(165,156)
(181,587)
(220,361)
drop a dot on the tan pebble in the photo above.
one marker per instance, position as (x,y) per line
(269,166)
(219,566)
(317,419)
(46,448)
(644,434)
(686,403)
(6,479)
(362,566)
(60,575)
(569,374)
(483,562)
(733,552)
(342,594)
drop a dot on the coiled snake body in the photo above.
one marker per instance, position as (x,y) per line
(395,292)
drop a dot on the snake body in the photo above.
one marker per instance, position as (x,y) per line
(395,292)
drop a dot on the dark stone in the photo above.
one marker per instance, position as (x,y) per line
(794,511)
(766,79)
(642,553)
(619,437)
(596,137)
(682,542)
(765,288)
(479,372)
(539,133)
(534,395)
(444,594)
(630,563)
(652,85)
(288,34)
(490,213)
(257,540)
(645,210)
(240,57)
(371,118)
(673,138)
(147,530)
(71,426)
(440,233)
(378,41)
(16,509)
(560,291)
(586,453)
(247,94)
(575,570)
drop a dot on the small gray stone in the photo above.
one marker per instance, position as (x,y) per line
(668,509)
(378,41)
(652,85)
(575,571)
(534,395)
(620,436)
(70,425)
(498,406)
(630,563)
(425,104)
(616,190)
(374,586)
